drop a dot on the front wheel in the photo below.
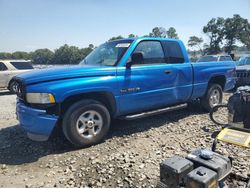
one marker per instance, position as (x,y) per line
(213,97)
(86,123)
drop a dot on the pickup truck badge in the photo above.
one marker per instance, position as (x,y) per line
(130,90)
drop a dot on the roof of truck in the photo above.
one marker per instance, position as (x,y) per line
(146,38)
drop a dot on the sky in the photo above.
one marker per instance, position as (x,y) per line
(27,25)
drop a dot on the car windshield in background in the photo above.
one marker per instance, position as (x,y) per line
(107,54)
(244,61)
(207,59)
(22,65)
(226,58)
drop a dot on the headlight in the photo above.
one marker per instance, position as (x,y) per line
(40,98)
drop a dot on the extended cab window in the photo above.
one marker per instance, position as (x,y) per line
(173,52)
(152,52)
(21,65)
(2,67)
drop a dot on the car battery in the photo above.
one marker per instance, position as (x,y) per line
(239,108)
(173,171)
(202,177)
(211,160)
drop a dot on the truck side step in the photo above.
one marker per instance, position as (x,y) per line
(154,112)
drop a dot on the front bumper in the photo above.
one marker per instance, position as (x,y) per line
(37,123)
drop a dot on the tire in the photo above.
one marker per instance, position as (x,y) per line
(215,109)
(212,98)
(86,123)
(13,87)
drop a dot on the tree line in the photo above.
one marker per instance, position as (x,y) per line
(64,55)
(223,35)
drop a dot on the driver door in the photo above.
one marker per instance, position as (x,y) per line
(146,85)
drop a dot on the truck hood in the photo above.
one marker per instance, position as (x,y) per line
(65,72)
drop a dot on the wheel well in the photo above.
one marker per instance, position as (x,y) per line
(10,81)
(106,98)
(221,80)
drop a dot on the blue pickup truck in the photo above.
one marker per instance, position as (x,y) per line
(126,78)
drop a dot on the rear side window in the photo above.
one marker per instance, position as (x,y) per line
(22,65)
(226,58)
(173,52)
(152,52)
(3,67)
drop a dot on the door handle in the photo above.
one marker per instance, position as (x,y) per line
(168,71)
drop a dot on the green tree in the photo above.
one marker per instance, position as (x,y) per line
(158,32)
(67,55)
(235,29)
(21,55)
(195,43)
(5,55)
(205,48)
(215,31)
(245,36)
(91,46)
(132,36)
(116,38)
(42,56)
(171,33)
(85,51)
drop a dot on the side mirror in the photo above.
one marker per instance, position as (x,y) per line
(136,57)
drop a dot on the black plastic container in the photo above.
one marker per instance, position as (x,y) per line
(174,170)
(214,161)
(202,177)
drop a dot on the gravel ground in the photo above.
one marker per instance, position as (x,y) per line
(129,157)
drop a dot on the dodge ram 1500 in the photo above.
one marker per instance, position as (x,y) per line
(126,78)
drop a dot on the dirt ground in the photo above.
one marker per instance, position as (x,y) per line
(129,157)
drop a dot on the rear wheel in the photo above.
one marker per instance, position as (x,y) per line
(86,123)
(213,97)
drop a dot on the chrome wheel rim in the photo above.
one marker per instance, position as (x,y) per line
(89,124)
(214,97)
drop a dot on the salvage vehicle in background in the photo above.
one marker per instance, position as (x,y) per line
(243,71)
(209,58)
(10,68)
(126,79)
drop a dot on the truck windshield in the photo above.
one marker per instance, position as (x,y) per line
(107,54)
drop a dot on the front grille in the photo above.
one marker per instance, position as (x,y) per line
(243,74)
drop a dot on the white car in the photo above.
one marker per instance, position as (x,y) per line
(10,68)
(208,58)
